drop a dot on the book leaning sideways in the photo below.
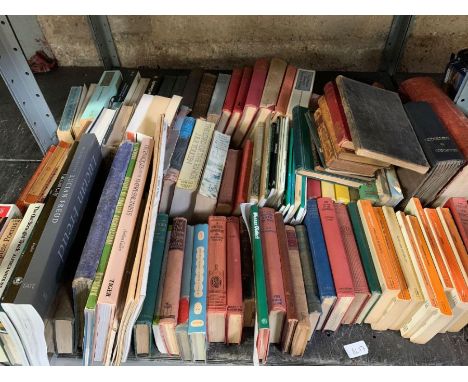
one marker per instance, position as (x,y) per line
(27,308)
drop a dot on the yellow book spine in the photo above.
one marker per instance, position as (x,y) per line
(328,190)
(342,194)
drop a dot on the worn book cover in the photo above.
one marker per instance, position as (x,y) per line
(217,100)
(459,209)
(239,102)
(205,92)
(230,99)
(244,172)
(227,191)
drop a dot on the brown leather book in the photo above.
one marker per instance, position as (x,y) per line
(243,179)
(202,102)
(248,291)
(274,277)
(235,319)
(172,282)
(217,298)
(227,192)
(291,313)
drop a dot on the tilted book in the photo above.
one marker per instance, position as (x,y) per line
(217,100)
(239,102)
(281,107)
(459,209)
(98,231)
(40,282)
(229,100)
(191,87)
(198,293)
(205,91)
(302,90)
(64,129)
(9,233)
(244,172)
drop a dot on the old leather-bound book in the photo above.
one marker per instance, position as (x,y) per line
(205,91)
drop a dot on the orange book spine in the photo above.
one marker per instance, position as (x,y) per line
(217,293)
(450,257)
(286,90)
(442,302)
(378,239)
(20,203)
(244,172)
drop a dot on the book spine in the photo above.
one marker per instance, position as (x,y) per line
(259,271)
(243,89)
(257,84)
(198,284)
(104,259)
(336,113)
(175,264)
(110,291)
(217,298)
(233,267)
(18,244)
(248,290)
(286,90)
(227,191)
(7,236)
(254,184)
(183,314)
(202,102)
(219,94)
(243,184)
(459,209)
(233,89)
(270,248)
(335,248)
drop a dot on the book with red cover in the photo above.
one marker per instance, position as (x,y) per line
(314,189)
(338,263)
(252,102)
(459,209)
(230,99)
(361,290)
(227,191)
(235,313)
(239,103)
(340,124)
(243,179)
(273,274)
(217,296)
(286,90)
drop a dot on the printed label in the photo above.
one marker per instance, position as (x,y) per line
(304,80)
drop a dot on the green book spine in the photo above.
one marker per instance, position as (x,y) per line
(101,269)
(291,169)
(364,250)
(259,271)
(303,159)
(368,191)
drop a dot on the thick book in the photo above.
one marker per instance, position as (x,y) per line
(39,285)
(243,180)
(217,99)
(172,283)
(142,337)
(441,152)
(459,210)
(252,102)
(172,174)
(310,283)
(198,293)
(18,244)
(229,100)
(191,87)
(239,102)
(227,191)
(191,171)
(207,195)
(235,313)
(262,326)
(281,107)
(367,262)
(302,90)
(379,126)
(274,280)
(98,231)
(109,295)
(286,246)
(248,290)
(339,263)
(361,289)
(205,91)
(321,262)
(217,293)
(183,339)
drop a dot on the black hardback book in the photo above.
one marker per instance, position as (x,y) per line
(167,85)
(179,85)
(191,87)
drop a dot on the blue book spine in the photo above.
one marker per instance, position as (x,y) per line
(318,251)
(198,287)
(182,143)
(105,210)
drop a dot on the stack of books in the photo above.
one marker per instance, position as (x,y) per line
(180,209)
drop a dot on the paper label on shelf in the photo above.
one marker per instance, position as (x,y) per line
(356,349)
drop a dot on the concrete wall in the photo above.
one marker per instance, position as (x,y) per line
(320,42)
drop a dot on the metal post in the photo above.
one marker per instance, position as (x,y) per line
(104,41)
(395,44)
(24,89)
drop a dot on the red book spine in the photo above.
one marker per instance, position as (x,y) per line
(257,84)
(271,253)
(425,89)
(335,248)
(459,209)
(216,298)
(244,175)
(233,89)
(234,275)
(286,90)
(243,89)
(314,189)
(337,114)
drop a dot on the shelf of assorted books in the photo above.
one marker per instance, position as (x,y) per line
(179,212)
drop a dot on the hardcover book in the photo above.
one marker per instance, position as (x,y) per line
(459,209)
(205,91)
(231,94)
(281,107)
(227,191)
(302,89)
(239,102)
(217,100)
(244,172)
(191,87)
